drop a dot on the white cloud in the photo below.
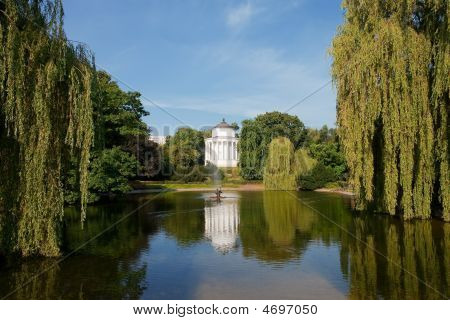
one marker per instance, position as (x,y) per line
(239,16)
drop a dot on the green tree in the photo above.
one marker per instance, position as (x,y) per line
(391,69)
(110,171)
(257,134)
(186,149)
(121,113)
(147,153)
(280,169)
(330,155)
(304,163)
(317,178)
(235,126)
(118,122)
(45,119)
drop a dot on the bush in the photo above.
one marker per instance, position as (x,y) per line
(110,171)
(187,175)
(199,174)
(319,176)
(330,155)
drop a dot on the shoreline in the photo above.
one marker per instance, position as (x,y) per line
(338,191)
(244,187)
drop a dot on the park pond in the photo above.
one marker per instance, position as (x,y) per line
(250,245)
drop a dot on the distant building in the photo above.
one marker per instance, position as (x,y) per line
(221,148)
(161,140)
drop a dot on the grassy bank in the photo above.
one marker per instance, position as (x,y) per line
(170,185)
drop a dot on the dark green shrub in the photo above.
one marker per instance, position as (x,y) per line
(110,171)
(317,178)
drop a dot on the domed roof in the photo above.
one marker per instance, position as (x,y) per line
(224,125)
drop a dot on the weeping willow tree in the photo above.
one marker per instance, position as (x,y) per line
(280,169)
(391,69)
(304,162)
(45,118)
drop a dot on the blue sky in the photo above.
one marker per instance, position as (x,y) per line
(202,60)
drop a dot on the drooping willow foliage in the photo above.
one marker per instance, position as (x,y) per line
(304,162)
(392,73)
(45,118)
(284,166)
(280,168)
(258,133)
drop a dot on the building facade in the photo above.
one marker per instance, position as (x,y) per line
(221,149)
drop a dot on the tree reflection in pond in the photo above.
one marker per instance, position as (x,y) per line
(412,262)
(105,268)
(279,244)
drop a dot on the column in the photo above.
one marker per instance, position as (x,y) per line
(219,150)
(216,150)
(224,150)
(210,151)
(234,150)
(211,154)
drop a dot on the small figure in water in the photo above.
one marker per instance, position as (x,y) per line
(218,193)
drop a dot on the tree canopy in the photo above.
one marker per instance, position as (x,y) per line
(45,118)
(119,112)
(257,134)
(391,69)
(185,153)
(121,150)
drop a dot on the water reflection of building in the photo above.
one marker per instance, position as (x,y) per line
(221,224)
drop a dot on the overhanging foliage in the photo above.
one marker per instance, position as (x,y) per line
(45,117)
(391,69)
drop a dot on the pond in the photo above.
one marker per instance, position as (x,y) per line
(251,245)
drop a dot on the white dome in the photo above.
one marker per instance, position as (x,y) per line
(223,130)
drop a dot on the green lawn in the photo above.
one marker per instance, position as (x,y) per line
(158,185)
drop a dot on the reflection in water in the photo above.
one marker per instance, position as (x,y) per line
(222,223)
(98,278)
(412,262)
(274,246)
(286,216)
(105,268)
(185,222)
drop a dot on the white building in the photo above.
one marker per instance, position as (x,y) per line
(161,140)
(221,149)
(222,225)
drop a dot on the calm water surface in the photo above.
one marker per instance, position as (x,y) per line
(252,245)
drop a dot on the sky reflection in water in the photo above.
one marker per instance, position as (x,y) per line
(252,245)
